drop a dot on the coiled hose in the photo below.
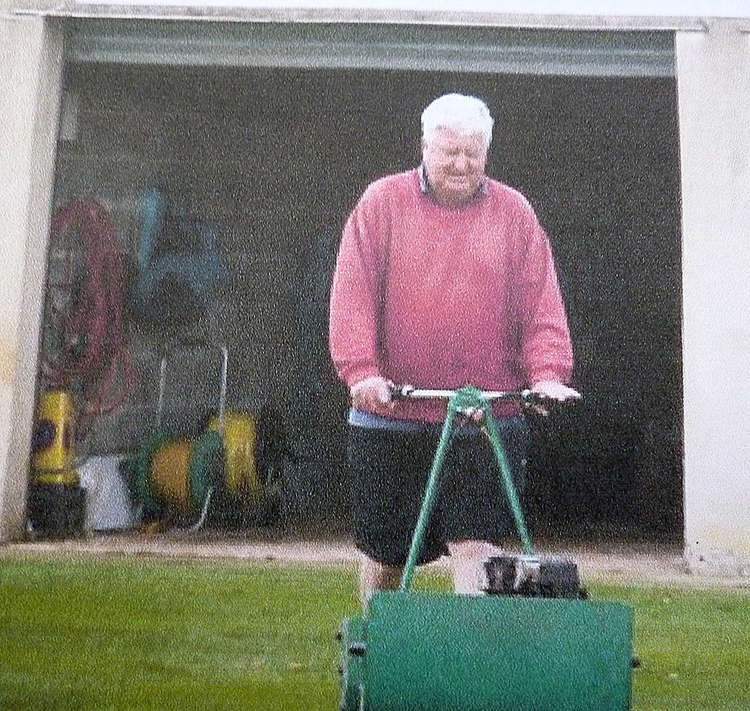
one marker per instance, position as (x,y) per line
(91,355)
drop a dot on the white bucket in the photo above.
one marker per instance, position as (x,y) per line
(108,505)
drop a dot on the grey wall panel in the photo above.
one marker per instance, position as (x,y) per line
(420,47)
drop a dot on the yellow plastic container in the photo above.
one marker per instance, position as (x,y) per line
(56,419)
(239,453)
(168,477)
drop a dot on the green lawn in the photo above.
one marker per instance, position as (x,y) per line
(148,634)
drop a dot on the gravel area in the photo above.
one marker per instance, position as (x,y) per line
(628,563)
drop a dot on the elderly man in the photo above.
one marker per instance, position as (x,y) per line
(444,278)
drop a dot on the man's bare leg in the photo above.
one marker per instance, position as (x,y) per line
(376,576)
(467,565)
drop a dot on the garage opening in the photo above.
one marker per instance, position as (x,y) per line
(275,157)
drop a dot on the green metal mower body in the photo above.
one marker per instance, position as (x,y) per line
(418,651)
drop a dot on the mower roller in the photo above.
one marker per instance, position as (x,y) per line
(534,642)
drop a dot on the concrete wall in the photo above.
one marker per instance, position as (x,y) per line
(30,80)
(713,79)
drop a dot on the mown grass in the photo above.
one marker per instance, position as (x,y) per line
(151,634)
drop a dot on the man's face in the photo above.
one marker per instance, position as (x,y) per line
(454,164)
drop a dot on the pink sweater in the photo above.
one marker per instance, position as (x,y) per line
(438,297)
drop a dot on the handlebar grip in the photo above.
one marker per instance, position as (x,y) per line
(401,391)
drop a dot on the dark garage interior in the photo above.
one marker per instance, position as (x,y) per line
(275,158)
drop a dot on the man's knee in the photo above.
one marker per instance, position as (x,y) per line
(377,576)
(467,565)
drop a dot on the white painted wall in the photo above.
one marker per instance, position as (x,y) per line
(30,80)
(713,81)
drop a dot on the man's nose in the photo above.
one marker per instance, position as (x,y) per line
(459,162)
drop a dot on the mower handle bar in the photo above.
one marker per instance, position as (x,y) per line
(410,392)
(465,401)
(468,401)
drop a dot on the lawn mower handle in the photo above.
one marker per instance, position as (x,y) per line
(412,393)
(526,398)
(462,401)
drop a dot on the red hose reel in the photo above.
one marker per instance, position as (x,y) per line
(91,352)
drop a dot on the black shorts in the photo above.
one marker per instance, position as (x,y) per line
(390,471)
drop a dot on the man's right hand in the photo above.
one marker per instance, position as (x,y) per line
(373,395)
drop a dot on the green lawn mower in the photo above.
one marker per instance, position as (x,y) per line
(534,642)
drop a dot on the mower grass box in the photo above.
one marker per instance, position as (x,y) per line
(432,651)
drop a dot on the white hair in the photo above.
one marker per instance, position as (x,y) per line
(466,115)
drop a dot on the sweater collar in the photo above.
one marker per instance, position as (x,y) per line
(424,183)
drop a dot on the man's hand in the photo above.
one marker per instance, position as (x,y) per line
(373,394)
(555,391)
